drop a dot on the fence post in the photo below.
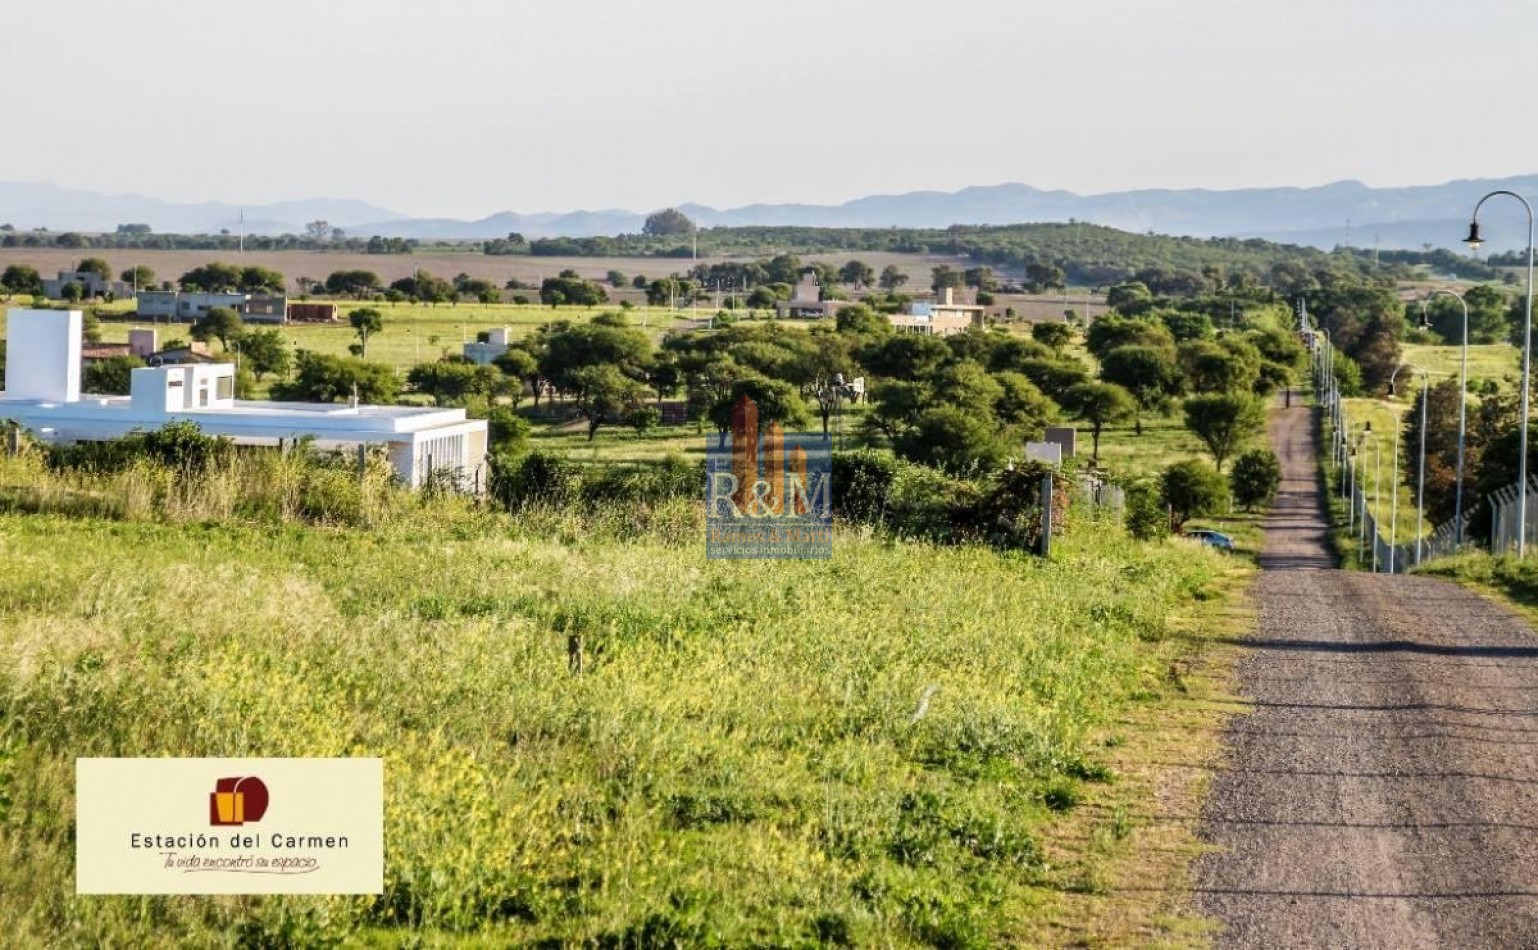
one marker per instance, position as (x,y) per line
(1046,514)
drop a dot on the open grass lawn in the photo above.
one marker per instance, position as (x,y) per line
(415,333)
(905,745)
(1494,362)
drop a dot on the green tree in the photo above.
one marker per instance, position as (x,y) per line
(1255,478)
(358,284)
(365,322)
(1041,277)
(861,321)
(214,278)
(219,323)
(260,280)
(320,378)
(1052,335)
(891,278)
(22,279)
(570,287)
(95,265)
(1219,367)
(452,381)
(857,274)
(110,376)
(616,279)
(1223,422)
(777,402)
(953,439)
(1190,489)
(944,276)
(669,222)
(1146,518)
(1149,373)
(606,396)
(139,276)
(1101,405)
(73,291)
(263,352)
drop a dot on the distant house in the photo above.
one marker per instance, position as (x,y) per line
(806,301)
(948,313)
(179,306)
(264,309)
(486,351)
(176,306)
(312,313)
(91,284)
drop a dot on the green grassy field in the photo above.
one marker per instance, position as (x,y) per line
(1494,362)
(415,333)
(747,757)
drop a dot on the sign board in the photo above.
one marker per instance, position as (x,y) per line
(1065,436)
(229,826)
(1049,452)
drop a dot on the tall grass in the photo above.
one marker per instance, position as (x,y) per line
(863,750)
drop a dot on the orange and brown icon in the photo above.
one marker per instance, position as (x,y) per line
(745,434)
(235,801)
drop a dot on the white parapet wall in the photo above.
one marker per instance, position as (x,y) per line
(42,356)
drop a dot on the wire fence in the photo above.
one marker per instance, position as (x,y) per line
(1373,550)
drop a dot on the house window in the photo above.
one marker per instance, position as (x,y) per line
(226,387)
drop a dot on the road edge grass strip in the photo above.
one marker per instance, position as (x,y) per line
(1136,837)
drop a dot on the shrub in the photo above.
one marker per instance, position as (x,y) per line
(1147,519)
(537,478)
(862,484)
(507,431)
(1192,488)
(1255,478)
(1009,513)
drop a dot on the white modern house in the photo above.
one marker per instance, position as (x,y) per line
(42,394)
(498,341)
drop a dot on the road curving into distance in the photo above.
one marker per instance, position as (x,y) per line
(1384,791)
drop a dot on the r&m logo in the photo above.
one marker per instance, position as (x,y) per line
(769,494)
(235,801)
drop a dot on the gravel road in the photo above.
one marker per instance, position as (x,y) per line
(1384,792)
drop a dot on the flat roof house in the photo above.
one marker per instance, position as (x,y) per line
(43,394)
(806,301)
(91,284)
(942,317)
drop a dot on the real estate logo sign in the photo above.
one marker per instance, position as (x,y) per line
(229,826)
(768,492)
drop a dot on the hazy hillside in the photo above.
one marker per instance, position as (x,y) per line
(1341,213)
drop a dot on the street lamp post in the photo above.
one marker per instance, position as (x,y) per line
(1473,241)
(1463,399)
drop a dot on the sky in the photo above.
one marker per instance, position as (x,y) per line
(464,108)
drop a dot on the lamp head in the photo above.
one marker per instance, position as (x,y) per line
(1473,240)
(1367,428)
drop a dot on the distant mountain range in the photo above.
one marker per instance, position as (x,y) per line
(1346,212)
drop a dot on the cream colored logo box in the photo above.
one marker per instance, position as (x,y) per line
(229,826)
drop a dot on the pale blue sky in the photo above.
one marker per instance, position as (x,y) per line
(466,107)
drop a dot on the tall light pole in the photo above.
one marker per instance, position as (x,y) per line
(1473,241)
(1420,490)
(1463,399)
